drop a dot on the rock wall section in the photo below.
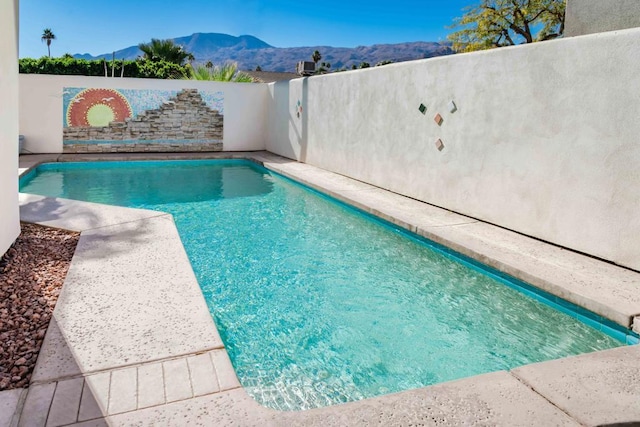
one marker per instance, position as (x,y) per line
(184,123)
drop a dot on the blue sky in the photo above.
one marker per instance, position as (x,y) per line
(94,26)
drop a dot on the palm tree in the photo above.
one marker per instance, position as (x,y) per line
(47,35)
(164,50)
(224,73)
(316,57)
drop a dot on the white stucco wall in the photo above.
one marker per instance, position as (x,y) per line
(9,214)
(287,131)
(544,142)
(41,117)
(596,16)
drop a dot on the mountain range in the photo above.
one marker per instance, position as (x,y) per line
(250,52)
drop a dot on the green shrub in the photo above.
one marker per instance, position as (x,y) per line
(82,67)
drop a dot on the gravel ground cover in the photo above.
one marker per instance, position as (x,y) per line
(31,276)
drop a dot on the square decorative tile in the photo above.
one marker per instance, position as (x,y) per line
(438,119)
(439,144)
(422,108)
(453,107)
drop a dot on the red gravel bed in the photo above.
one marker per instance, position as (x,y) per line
(31,276)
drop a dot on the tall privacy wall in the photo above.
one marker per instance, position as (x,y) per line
(9,215)
(540,139)
(78,114)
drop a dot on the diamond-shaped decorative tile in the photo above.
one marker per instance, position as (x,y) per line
(453,107)
(438,119)
(422,108)
(439,144)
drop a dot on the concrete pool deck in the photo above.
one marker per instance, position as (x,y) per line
(132,342)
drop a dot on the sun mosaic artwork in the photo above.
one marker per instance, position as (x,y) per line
(97,107)
(94,106)
(130,120)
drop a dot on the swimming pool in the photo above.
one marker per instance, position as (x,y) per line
(318,303)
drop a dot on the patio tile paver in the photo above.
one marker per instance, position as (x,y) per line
(123,391)
(177,384)
(150,385)
(227,377)
(66,402)
(204,379)
(36,406)
(9,404)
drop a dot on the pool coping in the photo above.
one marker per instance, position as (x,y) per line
(463,234)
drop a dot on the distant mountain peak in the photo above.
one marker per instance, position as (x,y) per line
(206,41)
(249,52)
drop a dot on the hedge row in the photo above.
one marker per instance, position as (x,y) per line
(83,67)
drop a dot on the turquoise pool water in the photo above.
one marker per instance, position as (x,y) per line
(318,303)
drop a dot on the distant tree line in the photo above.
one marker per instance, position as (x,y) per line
(160,59)
(82,67)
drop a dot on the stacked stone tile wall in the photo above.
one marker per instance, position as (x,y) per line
(184,123)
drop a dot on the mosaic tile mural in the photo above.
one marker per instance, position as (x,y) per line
(131,120)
